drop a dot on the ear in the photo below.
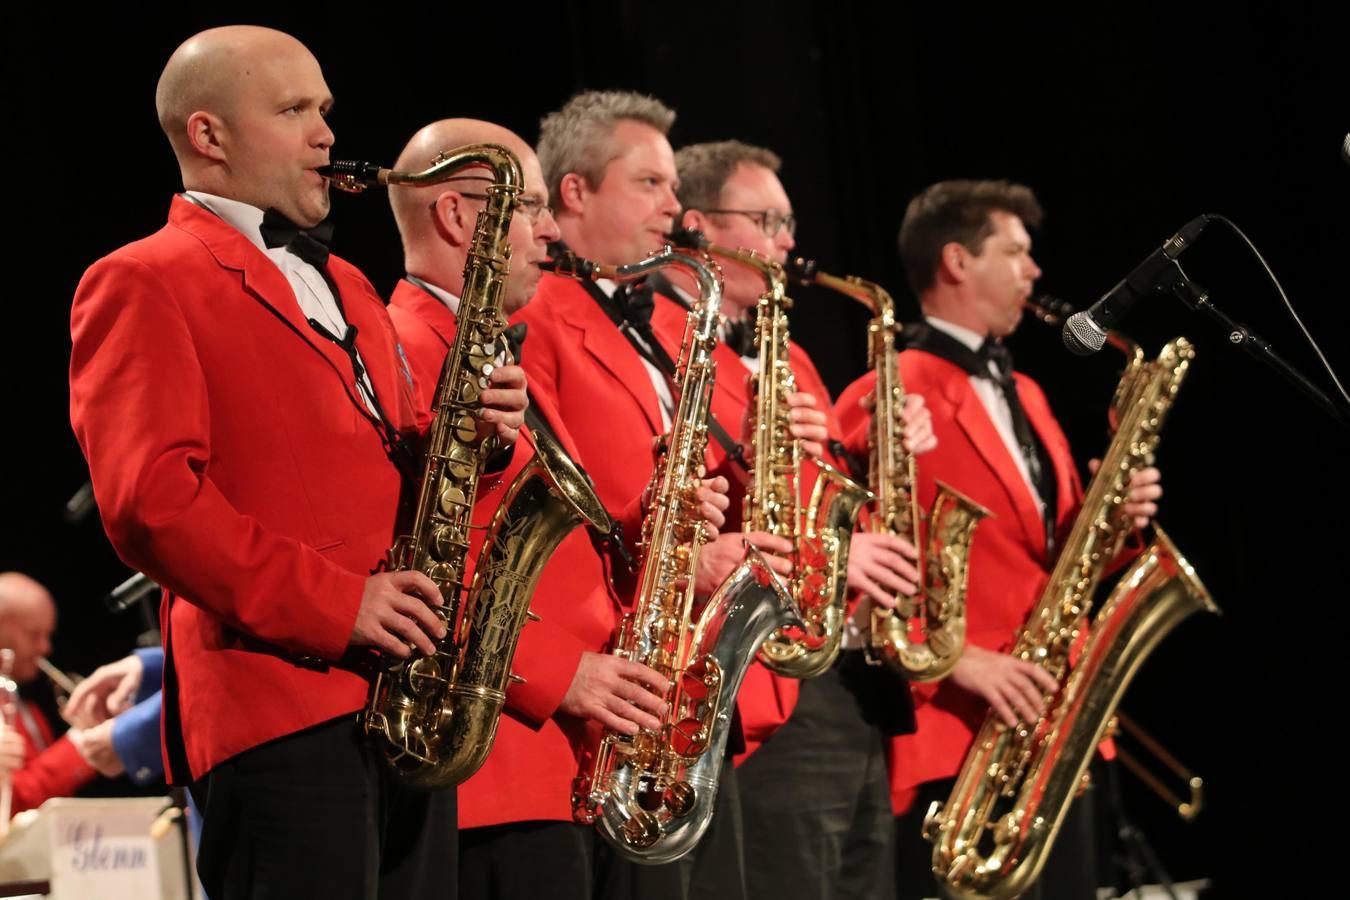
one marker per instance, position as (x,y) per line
(952,263)
(452,223)
(204,135)
(694,220)
(571,193)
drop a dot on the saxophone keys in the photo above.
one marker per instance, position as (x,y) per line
(533,616)
(516,679)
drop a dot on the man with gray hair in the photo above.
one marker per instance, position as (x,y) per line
(611,177)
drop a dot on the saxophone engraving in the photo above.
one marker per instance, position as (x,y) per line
(992,836)
(435,718)
(651,794)
(937,613)
(820,533)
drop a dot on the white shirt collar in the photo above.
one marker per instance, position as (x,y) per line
(450,300)
(243,217)
(972,339)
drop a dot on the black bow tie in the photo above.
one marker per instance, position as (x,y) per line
(310,244)
(740,336)
(993,351)
(635,303)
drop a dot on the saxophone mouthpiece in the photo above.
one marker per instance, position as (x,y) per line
(1050,309)
(570,265)
(801,270)
(687,237)
(352,176)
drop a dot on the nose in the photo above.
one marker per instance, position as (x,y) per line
(546,228)
(784,240)
(1033,270)
(323,137)
(670,204)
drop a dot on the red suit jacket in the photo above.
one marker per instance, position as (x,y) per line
(765,700)
(50,768)
(529,773)
(1008,562)
(234,463)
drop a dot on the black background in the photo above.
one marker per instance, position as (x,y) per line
(1127,118)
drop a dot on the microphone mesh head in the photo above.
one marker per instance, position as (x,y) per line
(1082,336)
(1345,149)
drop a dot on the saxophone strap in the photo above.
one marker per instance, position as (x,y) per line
(661,359)
(922,336)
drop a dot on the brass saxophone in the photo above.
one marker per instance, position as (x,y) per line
(993,835)
(938,611)
(821,533)
(435,717)
(651,794)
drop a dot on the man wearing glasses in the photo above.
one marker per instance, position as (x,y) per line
(813,781)
(516,807)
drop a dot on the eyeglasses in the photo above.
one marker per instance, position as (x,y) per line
(533,207)
(770,221)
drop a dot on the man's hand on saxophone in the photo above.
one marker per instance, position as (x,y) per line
(620,694)
(504,403)
(720,557)
(881,567)
(809,424)
(1145,490)
(395,611)
(1015,688)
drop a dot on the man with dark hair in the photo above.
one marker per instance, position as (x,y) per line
(968,253)
(813,780)
(246,411)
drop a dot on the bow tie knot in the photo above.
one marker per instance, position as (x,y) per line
(993,351)
(310,244)
(636,302)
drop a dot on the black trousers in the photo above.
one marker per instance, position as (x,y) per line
(1070,873)
(816,799)
(318,814)
(713,869)
(527,861)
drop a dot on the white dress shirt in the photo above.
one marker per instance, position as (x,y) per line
(991,395)
(310,288)
(659,381)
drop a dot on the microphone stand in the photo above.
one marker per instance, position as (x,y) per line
(1196,298)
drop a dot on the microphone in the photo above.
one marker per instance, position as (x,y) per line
(1085,332)
(129,593)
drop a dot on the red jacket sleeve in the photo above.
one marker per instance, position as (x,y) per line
(139,408)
